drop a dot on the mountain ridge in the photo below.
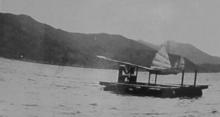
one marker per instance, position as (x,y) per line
(188,51)
(24,38)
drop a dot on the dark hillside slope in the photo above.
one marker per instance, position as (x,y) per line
(22,37)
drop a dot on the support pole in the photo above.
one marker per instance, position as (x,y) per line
(121,78)
(155,79)
(182,77)
(149,78)
(195,78)
(136,71)
(119,74)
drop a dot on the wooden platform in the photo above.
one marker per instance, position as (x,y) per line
(158,90)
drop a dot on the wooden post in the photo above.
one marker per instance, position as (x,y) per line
(182,78)
(155,79)
(149,78)
(195,78)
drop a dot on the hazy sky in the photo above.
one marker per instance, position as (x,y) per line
(189,21)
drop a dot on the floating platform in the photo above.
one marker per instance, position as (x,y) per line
(156,90)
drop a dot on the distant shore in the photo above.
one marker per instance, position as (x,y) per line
(77,66)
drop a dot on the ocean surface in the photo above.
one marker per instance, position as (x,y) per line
(39,90)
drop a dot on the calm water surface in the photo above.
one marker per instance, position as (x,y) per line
(37,90)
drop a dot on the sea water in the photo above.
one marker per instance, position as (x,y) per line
(40,90)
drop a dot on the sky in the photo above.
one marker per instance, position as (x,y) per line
(188,21)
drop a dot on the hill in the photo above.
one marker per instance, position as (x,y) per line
(23,38)
(188,51)
(192,53)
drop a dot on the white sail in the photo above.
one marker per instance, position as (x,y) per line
(182,63)
(161,59)
(176,64)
